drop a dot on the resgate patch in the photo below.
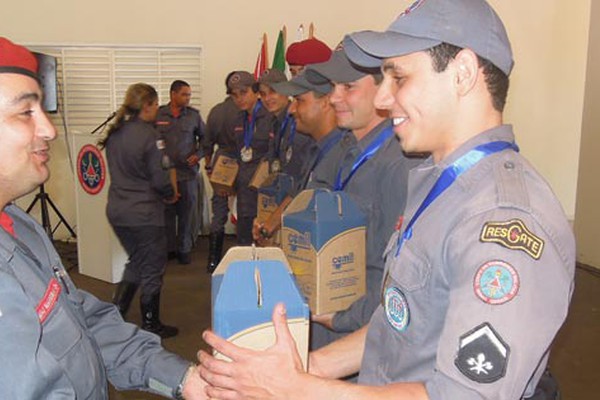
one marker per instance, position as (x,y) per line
(514,235)
(482,355)
(496,282)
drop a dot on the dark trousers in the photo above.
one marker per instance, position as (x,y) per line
(179,218)
(146,247)
(220,211)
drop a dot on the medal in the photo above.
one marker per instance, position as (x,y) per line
(275,166)
(288,154)
(246,154)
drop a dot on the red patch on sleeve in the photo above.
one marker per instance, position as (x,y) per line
(7,223)
(46,305)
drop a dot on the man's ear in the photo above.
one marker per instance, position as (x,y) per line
(466,70)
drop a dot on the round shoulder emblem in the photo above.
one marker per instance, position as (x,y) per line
(496,282)
(396,309)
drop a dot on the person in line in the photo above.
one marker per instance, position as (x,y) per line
(220,130)
(182,128)
(483,252)
(254,134)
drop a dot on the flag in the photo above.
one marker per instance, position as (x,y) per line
(262,60)
(279,57)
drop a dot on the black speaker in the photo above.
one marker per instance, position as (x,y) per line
(47,75)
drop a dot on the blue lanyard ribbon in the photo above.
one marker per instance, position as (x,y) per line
(250,127)
(284,125)
(280,134)
(449,175)
(363,157)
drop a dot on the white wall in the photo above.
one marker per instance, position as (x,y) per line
(549,39)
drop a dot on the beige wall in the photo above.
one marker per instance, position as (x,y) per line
(549,39)
(587,216)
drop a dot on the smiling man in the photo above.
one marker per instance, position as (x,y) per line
(464,310)
(64,342)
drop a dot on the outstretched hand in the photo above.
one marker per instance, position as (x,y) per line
(252,374)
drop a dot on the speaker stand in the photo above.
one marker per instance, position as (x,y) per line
(45,200)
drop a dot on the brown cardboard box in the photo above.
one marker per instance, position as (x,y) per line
(260,175)
(223,174)
(323,237)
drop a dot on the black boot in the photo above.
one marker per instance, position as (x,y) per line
(123,296)
(151,319)
(215,250)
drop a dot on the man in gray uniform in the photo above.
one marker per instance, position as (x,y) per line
(58,341)
(314,116)
(220,130)
(254,134)
(372,167)
(480,275)
(182,128)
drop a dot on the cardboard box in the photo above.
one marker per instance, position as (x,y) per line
(246,286)
(261,174)
(323,237)
(224,172)
(270,196)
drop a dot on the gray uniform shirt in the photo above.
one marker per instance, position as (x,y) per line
(139,181)
(474,298)
(183,137)
(324,162)
(383,176)
(61,342)
(220,128)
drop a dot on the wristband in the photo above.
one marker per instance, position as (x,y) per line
(178,395)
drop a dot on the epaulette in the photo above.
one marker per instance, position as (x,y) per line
(510,178)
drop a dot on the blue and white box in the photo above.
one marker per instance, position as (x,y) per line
(246,286)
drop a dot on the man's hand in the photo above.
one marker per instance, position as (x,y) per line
(172,200)
(252,374)
(260,234)
(193,160)
(194,387)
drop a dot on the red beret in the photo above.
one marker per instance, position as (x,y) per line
(309,51)
(17,59)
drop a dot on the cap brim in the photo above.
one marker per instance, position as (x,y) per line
(368,48)
(338,69)
(289,88)
(300,85)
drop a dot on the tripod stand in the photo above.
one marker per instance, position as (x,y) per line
(44,199)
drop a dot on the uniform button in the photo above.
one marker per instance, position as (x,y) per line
(509,165)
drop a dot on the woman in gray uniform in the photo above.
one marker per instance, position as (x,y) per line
(140,186)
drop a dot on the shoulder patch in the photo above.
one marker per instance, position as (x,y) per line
(160,144)
(496,282)
(396,309)
(482,355)
(513,235)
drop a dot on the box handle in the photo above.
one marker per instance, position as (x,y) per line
(258,283)
(339,201)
